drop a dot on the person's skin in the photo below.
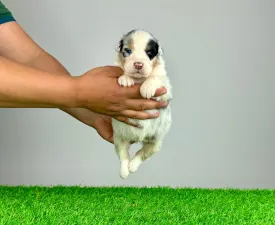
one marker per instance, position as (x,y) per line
(31,77)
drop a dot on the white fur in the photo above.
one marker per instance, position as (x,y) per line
(153,131)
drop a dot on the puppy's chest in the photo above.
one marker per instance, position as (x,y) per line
(139,81)
(150,128)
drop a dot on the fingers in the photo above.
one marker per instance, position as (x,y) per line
(109,139)
(161,91)
(127,121)
(139,115)
(142,104)
(133,92)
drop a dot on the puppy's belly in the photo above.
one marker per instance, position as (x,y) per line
(151,128)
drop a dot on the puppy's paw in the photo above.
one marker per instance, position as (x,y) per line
(134,164)
(126,81)
(124,170)
(124,173)
(148,89)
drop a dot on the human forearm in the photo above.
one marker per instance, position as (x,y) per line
(22,86)
(17,45)
(46,62)
(30,53)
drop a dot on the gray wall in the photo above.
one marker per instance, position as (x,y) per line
(221,59)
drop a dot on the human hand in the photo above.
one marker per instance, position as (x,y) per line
(103,126)
(98,90)
(101,123)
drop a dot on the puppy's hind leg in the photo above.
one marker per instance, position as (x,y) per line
(148,150)
(122,150)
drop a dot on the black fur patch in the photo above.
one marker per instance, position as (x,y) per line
(152,49)
(120,45)
(130,32)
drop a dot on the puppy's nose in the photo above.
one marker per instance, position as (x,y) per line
(138,65)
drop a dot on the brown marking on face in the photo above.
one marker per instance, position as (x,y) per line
(130,44)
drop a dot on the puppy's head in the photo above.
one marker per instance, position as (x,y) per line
(138,53)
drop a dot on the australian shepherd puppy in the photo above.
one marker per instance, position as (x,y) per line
(141,58)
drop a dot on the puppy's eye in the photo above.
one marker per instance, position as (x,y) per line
(128,51)
(150,54)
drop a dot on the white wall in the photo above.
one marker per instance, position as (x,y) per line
(221,60)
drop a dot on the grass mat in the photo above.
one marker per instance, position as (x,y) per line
(123,205)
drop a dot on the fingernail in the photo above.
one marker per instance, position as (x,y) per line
(163,90)
(163,104)
(156,114)
(137,125)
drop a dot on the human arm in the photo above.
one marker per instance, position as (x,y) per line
(18,46)
(22,86)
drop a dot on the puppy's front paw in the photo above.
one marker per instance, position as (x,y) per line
(148,89)
(126,81)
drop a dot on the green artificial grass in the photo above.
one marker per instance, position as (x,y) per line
(115,205)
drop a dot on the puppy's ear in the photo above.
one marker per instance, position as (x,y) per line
(160,50)
(120,45)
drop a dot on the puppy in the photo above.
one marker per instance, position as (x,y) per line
(139,54)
